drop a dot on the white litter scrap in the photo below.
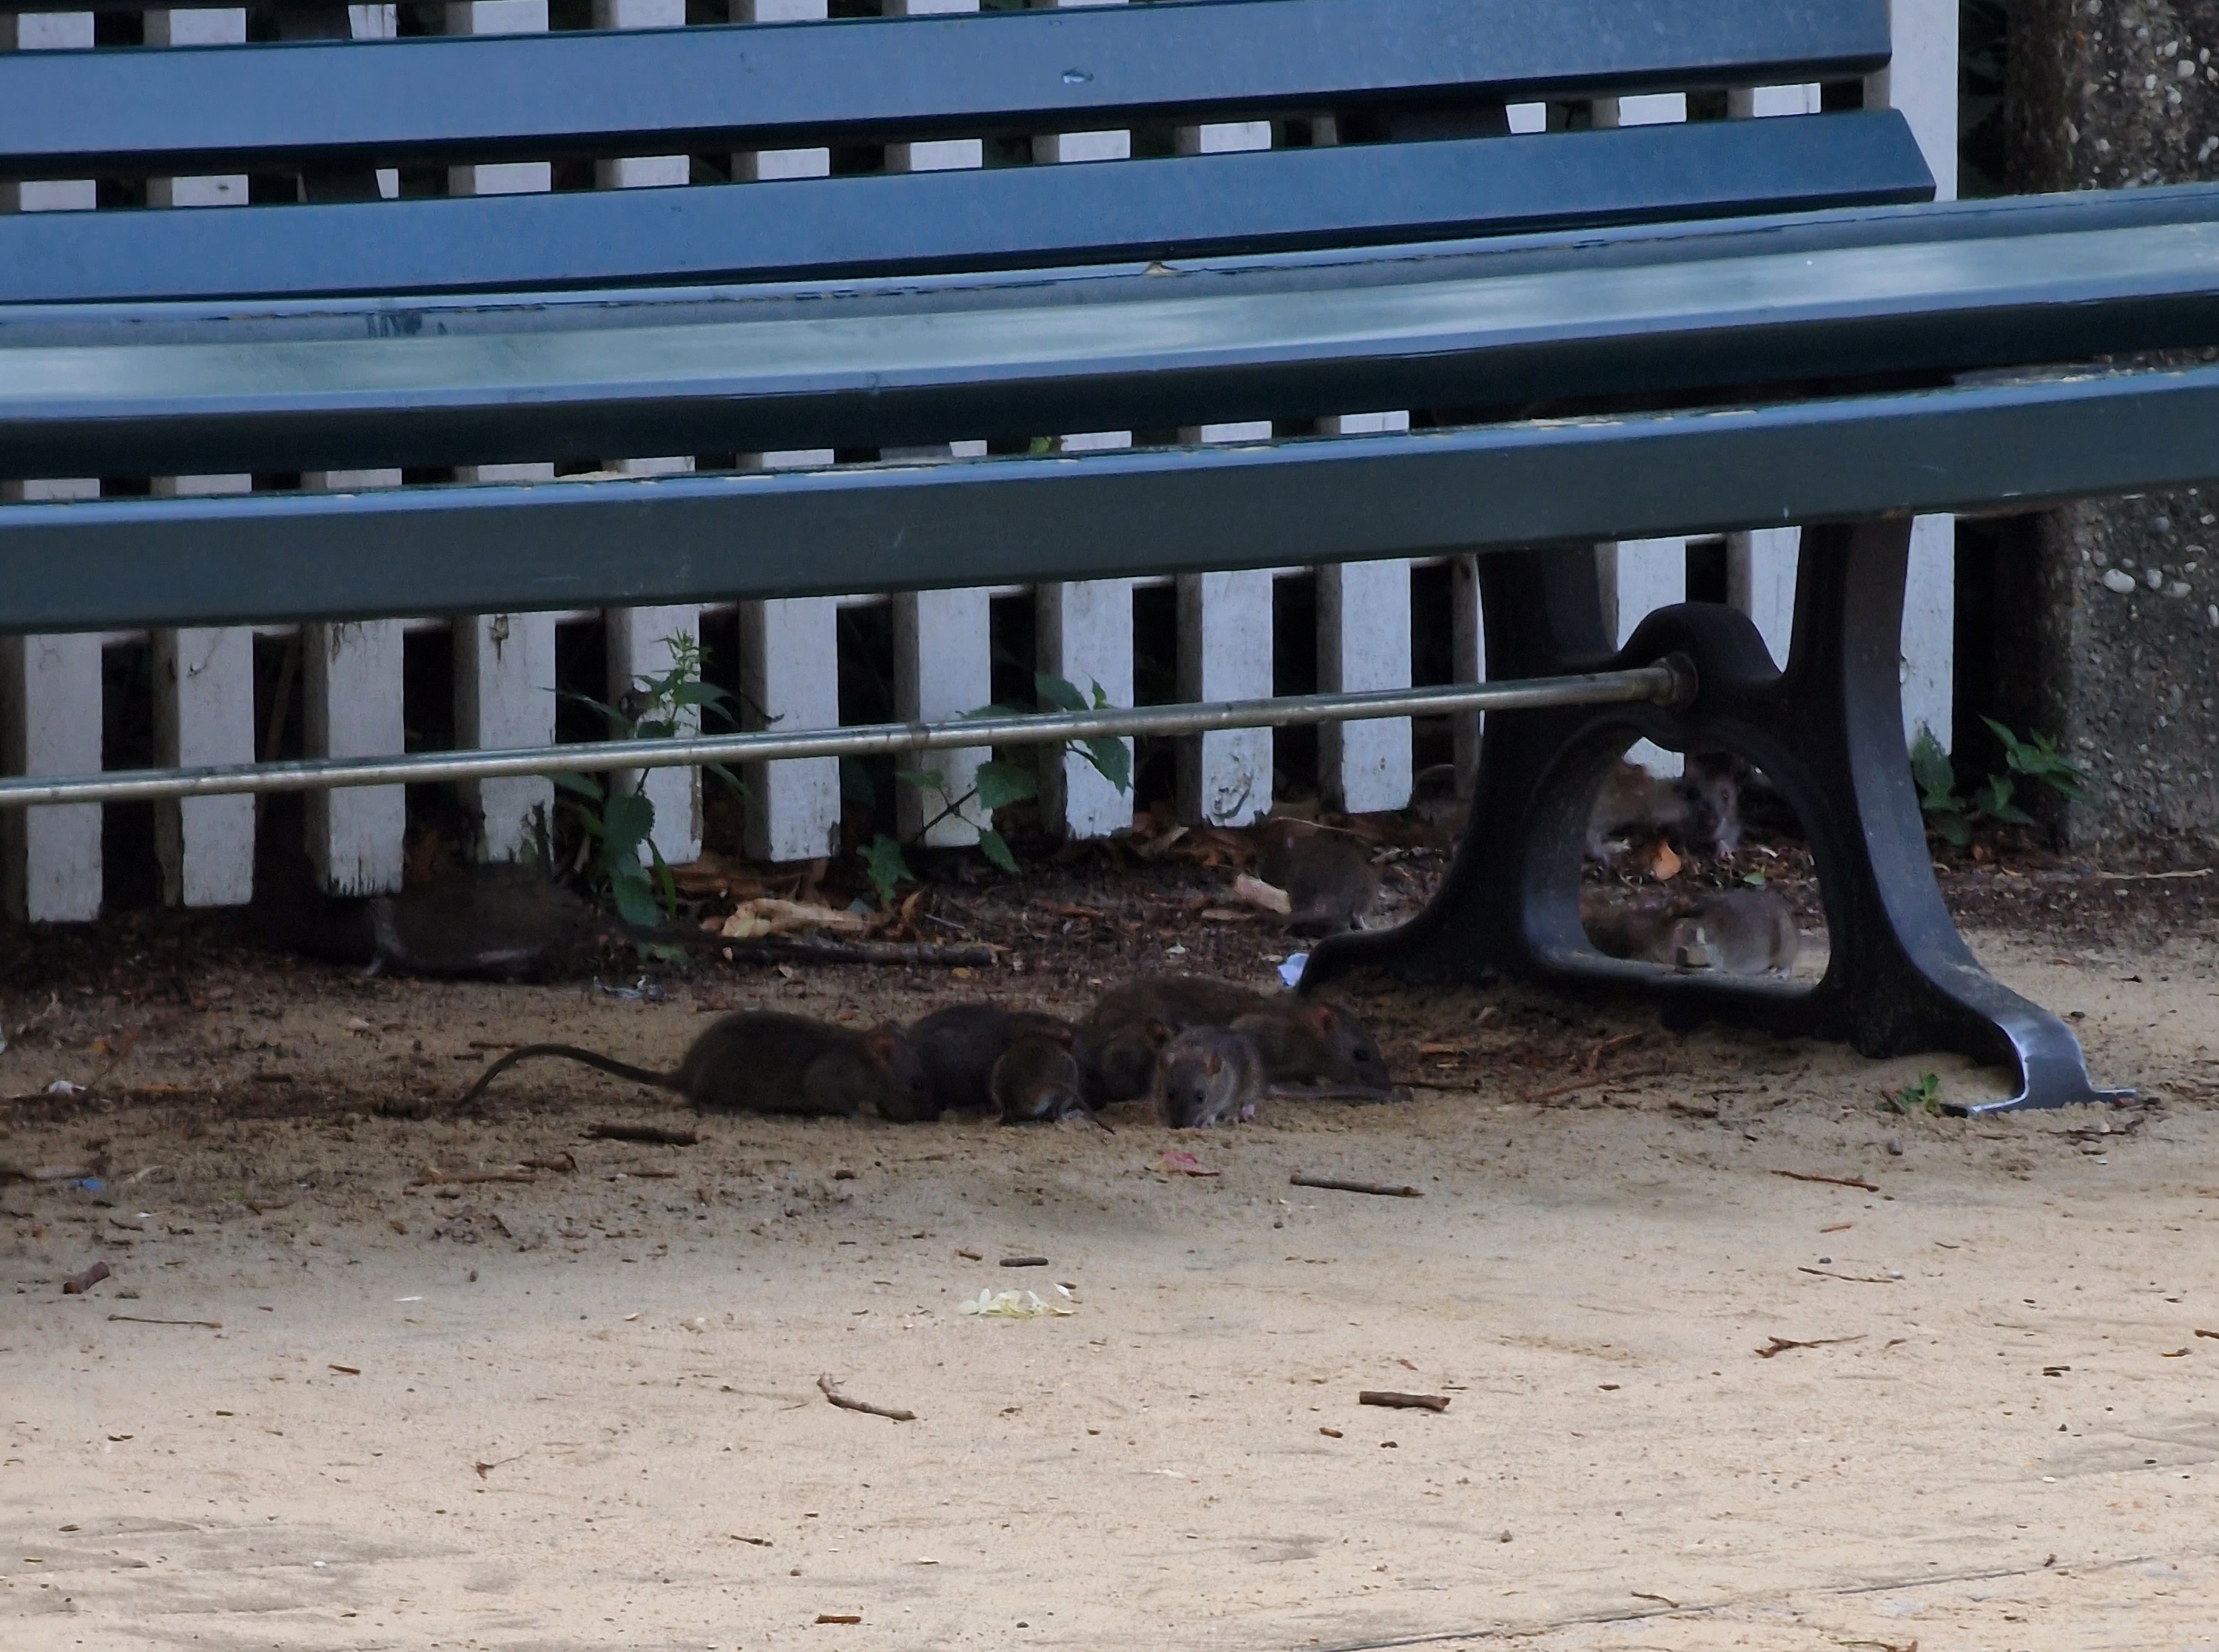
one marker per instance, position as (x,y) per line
(1013,1305)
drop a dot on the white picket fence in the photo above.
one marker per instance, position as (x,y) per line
(504,665)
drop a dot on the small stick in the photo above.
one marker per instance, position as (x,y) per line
(78,1283)
(794,949)
(1385,1189)
(1024,1262)
(1781,1344)
(1830,1181)
(560,1165)
(44,1172)
(1854,1278)
(459,1177)
(654,1134)
(133,1319)
(1594,1084)
(832,1392)
(1395,1401)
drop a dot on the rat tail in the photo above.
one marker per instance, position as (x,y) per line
(569,1052)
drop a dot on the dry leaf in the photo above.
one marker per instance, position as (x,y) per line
(1264,898)
(1664,864)
(766,916)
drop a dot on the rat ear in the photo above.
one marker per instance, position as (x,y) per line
(1318,1017)
(1158,1032)
(1216,1064)
(882,1047)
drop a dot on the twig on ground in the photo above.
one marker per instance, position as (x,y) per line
(560,1163)
(1830,1181)
(78,1283)
(133,1318)
(1662,1600)
(1598,1082)
(1394,1401)
(654,1134)
(792,949)
(1595,1055)
(832,1392)
(1024,1262)
(1334,1183)
(1854,1278)
(433,1176)
(1781,1344)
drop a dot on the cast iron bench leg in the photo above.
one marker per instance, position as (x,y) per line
(1828,732)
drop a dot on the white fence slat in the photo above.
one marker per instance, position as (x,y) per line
(1467,643)
(504,697)
(50,687)
(204,714)
(498,17)
(943,667)
(350,688)
(1083,633)
(1365,642)
(1225,653)
(50,723)
(504,664)
(350,699)
(639,645)
(790,679)
(203,680)
(1921,80)
(1760,582)
(639,639)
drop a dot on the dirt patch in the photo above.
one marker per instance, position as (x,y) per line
(582,1409)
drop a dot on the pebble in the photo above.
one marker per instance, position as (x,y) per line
(2153,577)
(2116,581)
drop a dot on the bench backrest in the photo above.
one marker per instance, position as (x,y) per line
(1392,111)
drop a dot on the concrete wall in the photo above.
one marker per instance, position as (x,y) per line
(2123,594)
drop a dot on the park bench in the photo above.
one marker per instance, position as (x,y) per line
(1608,331)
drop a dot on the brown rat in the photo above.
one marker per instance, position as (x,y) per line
(1700,809)
(959,1045)
(1302,1040)
(762,1061)
(1206,1076)
(1738,931)
(1327,876)
(1038,1078)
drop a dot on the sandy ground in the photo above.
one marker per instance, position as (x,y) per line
(582,1412)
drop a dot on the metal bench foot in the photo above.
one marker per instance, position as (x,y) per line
(1828,732)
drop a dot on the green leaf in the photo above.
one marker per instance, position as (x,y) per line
(922,780)
(1753,879)
(696,693)
(1002,782)
(733,782)
(1112,760)
(1054,691)
(629,819)
(577,785)
(666,883)
(1930,768)
(1042,446)
(1953,829)
(883,863)
(635,897)
(1101,699)
(856,783)
(996,849)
